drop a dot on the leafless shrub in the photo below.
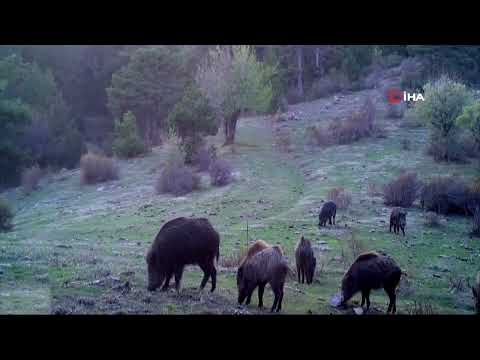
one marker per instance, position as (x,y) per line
(283,140)
(431,219)
(97,168)
(232,260)
(340,197)
(402,191)
(317,136)
(448,194)
(176,178)
(220,172)
(30,179)
(421,308)
(457,284)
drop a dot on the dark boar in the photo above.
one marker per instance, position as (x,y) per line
(183,242)
(476,294)
(372,271)
(266,267)
(398,219)
(305,260)
(328,212)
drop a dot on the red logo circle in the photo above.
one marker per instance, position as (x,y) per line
(394,96)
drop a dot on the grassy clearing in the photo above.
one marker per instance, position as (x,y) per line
(80,249)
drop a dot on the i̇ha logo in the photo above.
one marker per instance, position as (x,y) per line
(396,96)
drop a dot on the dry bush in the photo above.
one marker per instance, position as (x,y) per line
(331,83)
(317,136)
(283,140)
(374,189)
(203,157)
(96,168)
(358,125)
(406,144)
(176,178)
(457,284)
(421,308)
(353,247)
(476,222)
(232,260)
(446,149)
(448,194)
(220,172)
(402,191)
(431,219)
(340,197)
(30,179)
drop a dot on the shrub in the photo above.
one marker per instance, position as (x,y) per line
(446,195)
(476,222)
(358,125)
(283,140)
(431,219)
(470,119)
(412,75)
(444,102)
(96,169)
(232,260)
(6,216)
(421,308)
(202,158)
(402,191)
(406,144)
(220,172)
(127,142)
(176,178)
(317,136)
(31,178)
(340,197)
(335,81)
(446,149)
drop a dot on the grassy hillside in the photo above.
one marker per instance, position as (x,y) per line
(80,249)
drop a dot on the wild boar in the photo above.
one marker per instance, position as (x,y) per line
(183,242)
(266,267)
(328,212)
(372,271)
(398,219)
(305,260)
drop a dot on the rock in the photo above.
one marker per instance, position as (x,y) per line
(358,310)
(336,300)
(100,188)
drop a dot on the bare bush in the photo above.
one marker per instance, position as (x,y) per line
(97,168)
(448,194)
(315,135)
(374,189)
(283,140)
(203,157)
(446,149)
(340,197)
(476,222)
(402,191)
(220,172)
(353,247)
(406,144)
(421,308)
(431,219)
(233,260)
(176,178)
(30,179)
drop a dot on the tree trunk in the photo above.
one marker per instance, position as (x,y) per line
(300,71)
(231,127)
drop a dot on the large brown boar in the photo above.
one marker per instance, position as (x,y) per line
(266,267)
(183,242)
(305,260)
(372,271)
(398,219)
(328,212)
(476,294)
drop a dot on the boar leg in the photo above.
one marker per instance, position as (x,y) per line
(392,303)
(178,278)
(298,273)
(403,230)
(261,288)
(303,274)
(167,281)
(213,274)
(329,220)
(334,214)
(279,304)
(206,275)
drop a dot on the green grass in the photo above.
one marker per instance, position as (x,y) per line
(74,235)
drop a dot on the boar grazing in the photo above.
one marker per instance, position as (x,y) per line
(256,247)
(183,242)
(329,211)
(476,294)
(305,260)
(372,271)
(398,219)
(266,267)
